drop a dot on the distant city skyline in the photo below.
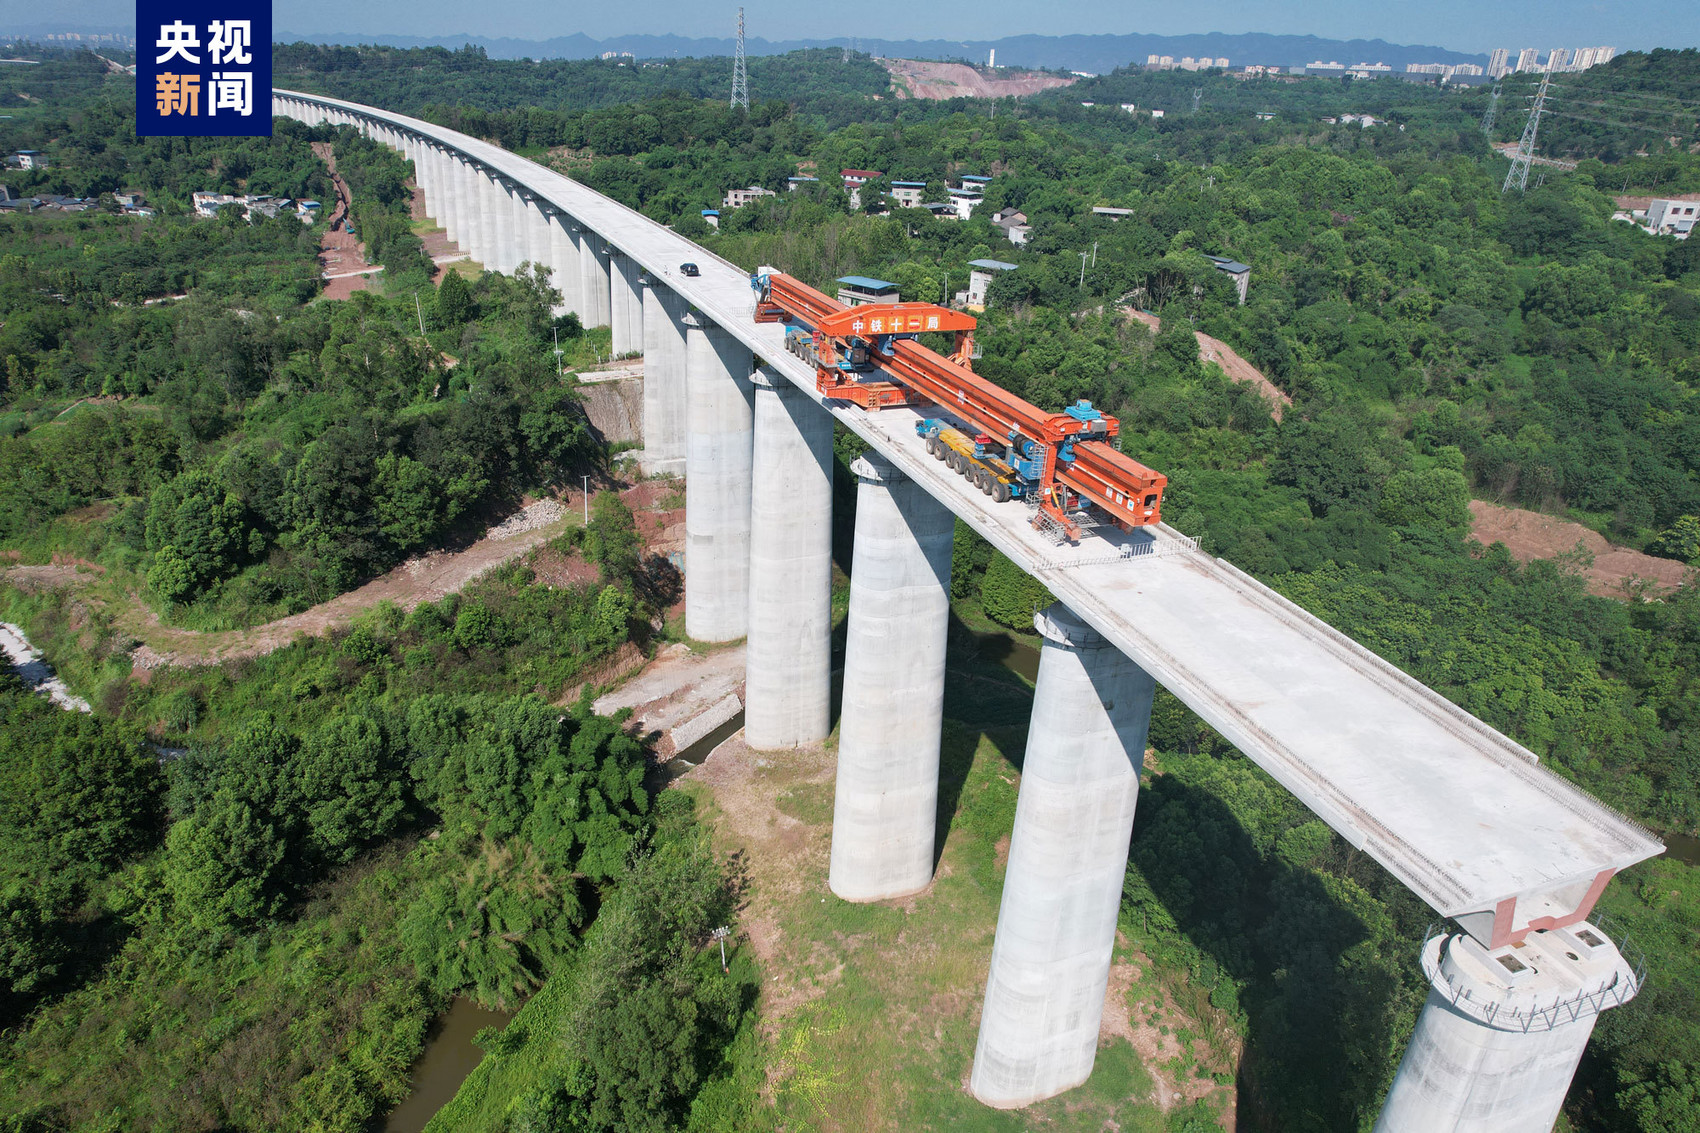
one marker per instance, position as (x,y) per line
(1459,25)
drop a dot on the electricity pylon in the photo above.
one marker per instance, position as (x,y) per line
(1519,171)
(740,79)
(1492,112)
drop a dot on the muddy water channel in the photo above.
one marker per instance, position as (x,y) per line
(1011,652)
(699,751)
(450,1055)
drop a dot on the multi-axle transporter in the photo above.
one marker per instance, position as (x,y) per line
(1009,448)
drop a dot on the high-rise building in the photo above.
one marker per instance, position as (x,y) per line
(1556,58)
(1496,63)
(1528,59)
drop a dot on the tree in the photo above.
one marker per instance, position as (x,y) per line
(1329,461)
(350,785)
(453,305)
(197,531)
(225,867)
(1437,498)
(1177,345)
(553,428)
(1010,596)
(611,539)
(77,793)
(409,498)
(32,949)
(1668,1103)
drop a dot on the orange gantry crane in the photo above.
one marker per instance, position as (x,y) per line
(869,356)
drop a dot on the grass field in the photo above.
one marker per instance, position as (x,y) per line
(871,1012)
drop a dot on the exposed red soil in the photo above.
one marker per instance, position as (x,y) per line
(1529,535)
(341,256)
(1640,204)
(1237,368)
(916,78)
(661,528)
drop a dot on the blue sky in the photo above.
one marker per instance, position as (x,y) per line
(1462,25)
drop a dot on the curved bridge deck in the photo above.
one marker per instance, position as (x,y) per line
(1463,815)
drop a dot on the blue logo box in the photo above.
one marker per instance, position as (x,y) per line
(203,69)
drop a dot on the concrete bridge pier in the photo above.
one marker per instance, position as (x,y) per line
(718,454)
(501,224)
(537,240)
(884,816)
(625,313)
(664,398)
(448,217)
(465,204)
(563,259)
(594,285)
(428,174)
(1067,860)
(462,204)
(483,218)
(520,208)
(1503,1030)
(788,657)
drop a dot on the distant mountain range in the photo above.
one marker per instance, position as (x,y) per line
(1095,53)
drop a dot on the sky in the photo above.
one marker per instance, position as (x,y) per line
(1462,25)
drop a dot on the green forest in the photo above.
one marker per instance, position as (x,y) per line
(401,813)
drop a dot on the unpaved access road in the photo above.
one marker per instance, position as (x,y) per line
(424,579)
(342,259)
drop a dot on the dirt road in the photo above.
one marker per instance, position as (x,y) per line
(342,259)
(424,579)
(1530,535)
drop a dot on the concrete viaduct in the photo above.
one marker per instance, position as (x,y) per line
(1515,856)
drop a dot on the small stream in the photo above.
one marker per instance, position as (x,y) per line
(449,1057)
(1003,648)
(1685,848)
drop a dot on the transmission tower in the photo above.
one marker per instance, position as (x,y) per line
(740,79)
(1519,171)
(1197,97)
(1492,112)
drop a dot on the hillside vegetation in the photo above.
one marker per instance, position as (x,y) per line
(395,814)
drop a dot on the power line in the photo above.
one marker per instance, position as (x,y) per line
(1662,132)
(1668,112)
(1519,171)
(740,78)
(1629,94)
